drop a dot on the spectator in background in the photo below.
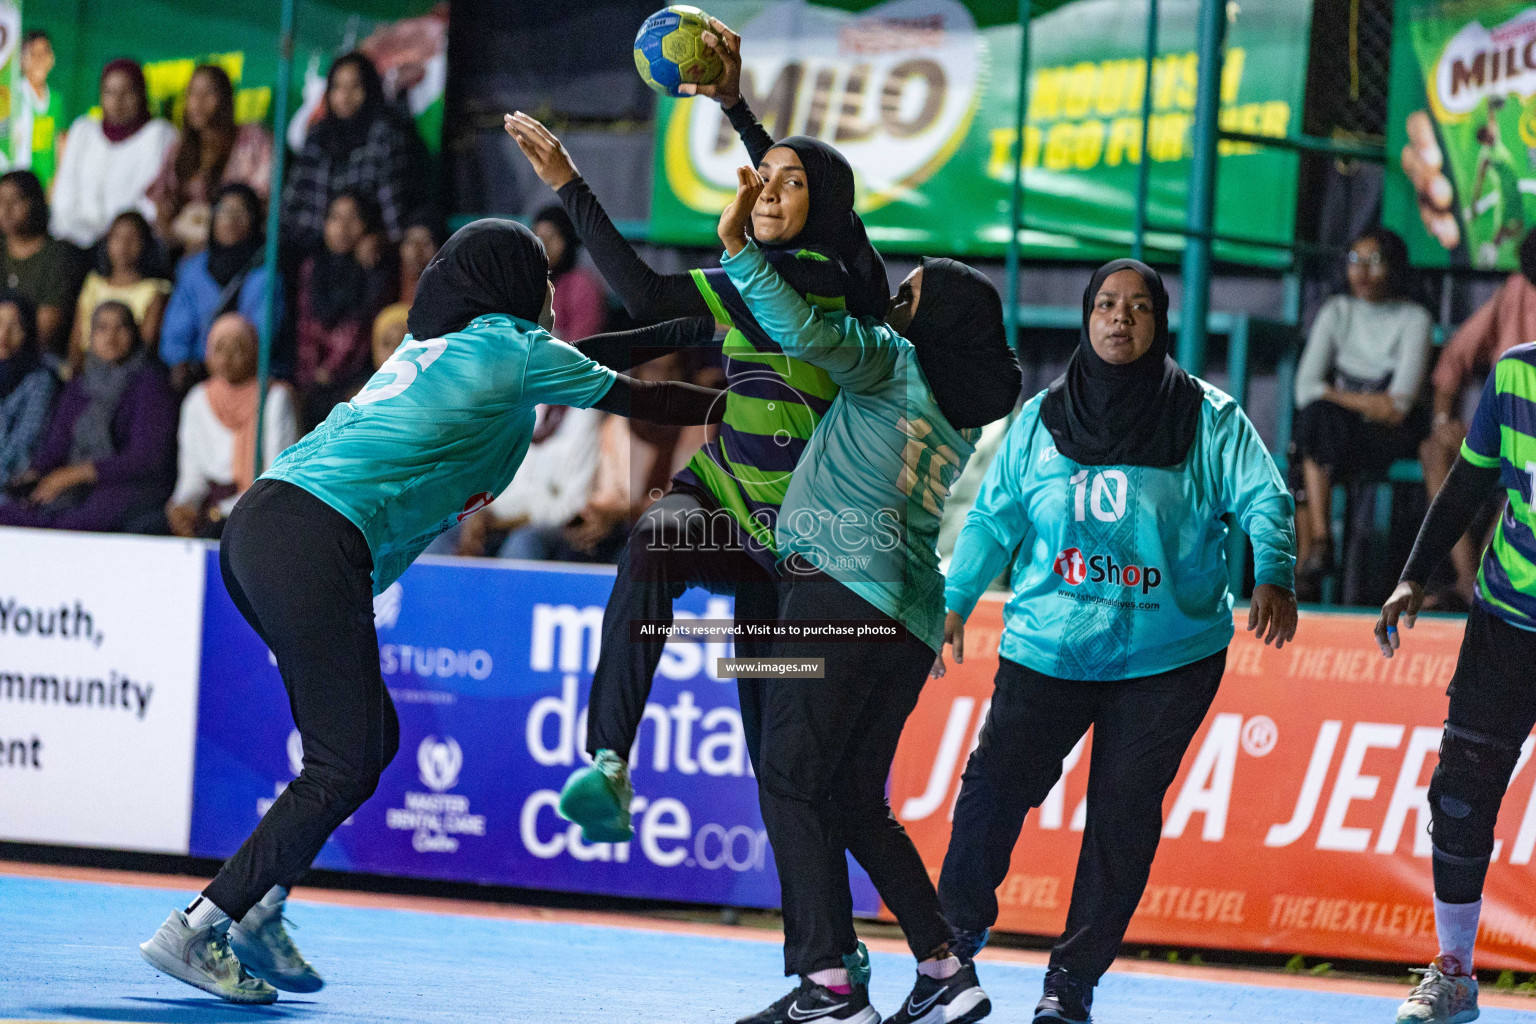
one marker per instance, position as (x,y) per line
(109,164)
(211,152)
(129,243)
(1358,380)
(108,457)
(45,269)
(581,304)
(361,144)
(341,289)
(1504,321)
(227,276)
(26,385)
(389,330)
(422,237)
(418,245)
(217,439)
(37,119)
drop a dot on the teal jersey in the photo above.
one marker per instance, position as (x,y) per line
(1121,571)
(1502,434)
(437,433)
(868,492)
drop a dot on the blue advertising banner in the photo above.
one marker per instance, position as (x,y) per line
(489,667)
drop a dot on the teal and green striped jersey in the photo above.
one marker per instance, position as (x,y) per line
(773,402)
(1503,435)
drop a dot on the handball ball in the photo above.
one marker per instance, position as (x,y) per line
(670,50)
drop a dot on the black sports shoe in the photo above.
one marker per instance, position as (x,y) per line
(966,944)
(813,1002)
(957,999)
(1067,1000)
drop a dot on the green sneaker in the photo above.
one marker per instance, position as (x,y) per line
(598,799)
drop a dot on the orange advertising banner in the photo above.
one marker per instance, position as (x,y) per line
(1298,821)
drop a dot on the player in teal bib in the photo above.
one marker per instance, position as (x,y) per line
(1493,693)
(436,434)
(857,536)
(1106,506)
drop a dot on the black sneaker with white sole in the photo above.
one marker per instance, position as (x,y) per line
(1067,1000)
(957,999)
(813,1002)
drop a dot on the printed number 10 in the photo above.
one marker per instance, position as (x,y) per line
(1110,486)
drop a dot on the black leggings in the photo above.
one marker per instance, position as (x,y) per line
(1141,729)
(827,750)
(301,574)
(681,541)
(1492,711)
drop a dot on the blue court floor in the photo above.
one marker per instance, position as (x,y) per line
(68,953)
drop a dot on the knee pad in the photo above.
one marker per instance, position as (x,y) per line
(1466,790)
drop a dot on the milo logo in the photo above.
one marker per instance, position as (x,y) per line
(893,87)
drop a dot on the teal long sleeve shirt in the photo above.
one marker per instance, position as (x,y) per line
(1121,571)
(867,495)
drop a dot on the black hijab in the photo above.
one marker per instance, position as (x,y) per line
(488,266)
(832,225)
(225,261)
(27,358)
(962,346)
(339,136)
(1141,413)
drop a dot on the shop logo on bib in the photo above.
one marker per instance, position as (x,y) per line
(1071,567)
(1074,567)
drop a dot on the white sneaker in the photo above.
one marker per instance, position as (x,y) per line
(201,957)
(263,946)
(1440,998)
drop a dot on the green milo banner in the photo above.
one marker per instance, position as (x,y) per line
(406,39)
(920,95)
(1461,136)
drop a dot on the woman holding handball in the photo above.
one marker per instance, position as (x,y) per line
(715,527)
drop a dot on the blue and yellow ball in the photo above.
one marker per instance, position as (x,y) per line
(670,50)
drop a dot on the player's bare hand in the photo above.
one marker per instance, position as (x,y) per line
(1272,615)
(1403,606)
(544,151)
(726,90)
(734,221)
(954,636)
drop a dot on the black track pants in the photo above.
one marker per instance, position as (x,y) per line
(1141,729)
(300,573)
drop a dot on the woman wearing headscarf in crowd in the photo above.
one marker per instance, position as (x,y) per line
(108,458)
(341,289)
(45,269)
(439,430)
(226,277)
(125,254)
(1357,383)
(212,151)
(711,529)
(109,164)
(217,438)
(27,386)
(857,537)
(581,304)
(359,143)
(1111,487)
(418,244)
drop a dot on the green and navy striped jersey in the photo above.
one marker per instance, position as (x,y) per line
(773,402)
(1503,435)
